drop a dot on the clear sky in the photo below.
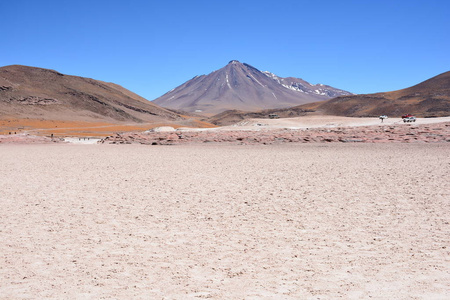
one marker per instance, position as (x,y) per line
(150,47)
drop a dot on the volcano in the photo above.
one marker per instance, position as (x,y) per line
(240,86)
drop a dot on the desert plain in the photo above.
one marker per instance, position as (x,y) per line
(192,221)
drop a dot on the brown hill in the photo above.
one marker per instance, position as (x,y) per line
(230,117)
(430,98)
(239,86)
(28,92)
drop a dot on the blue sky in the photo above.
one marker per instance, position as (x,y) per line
(150,47)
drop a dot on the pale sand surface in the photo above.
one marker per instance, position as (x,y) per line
(81,140)
(325,121)
(315,121)
(300,221)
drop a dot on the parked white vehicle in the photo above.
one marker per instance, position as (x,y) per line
(409,119)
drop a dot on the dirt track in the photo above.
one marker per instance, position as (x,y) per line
(303,221)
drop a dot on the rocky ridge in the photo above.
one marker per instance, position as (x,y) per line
(300,85)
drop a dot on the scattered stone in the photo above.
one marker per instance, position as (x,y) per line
(351,140)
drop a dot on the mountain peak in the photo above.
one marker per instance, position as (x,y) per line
(243,87)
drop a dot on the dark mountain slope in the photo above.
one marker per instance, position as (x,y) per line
(28,92)
(426,99)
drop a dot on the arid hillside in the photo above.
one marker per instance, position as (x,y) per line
(430,98)
(230,117)
(28,92)
(42,101)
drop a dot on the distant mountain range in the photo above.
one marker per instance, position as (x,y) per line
(243,87)
(236,92)
(430,98)
(28,92)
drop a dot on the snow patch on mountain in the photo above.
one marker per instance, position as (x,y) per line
(302,86)
(228,81)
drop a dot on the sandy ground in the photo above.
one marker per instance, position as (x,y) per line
(304,221)
(81,140)
(323,121)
